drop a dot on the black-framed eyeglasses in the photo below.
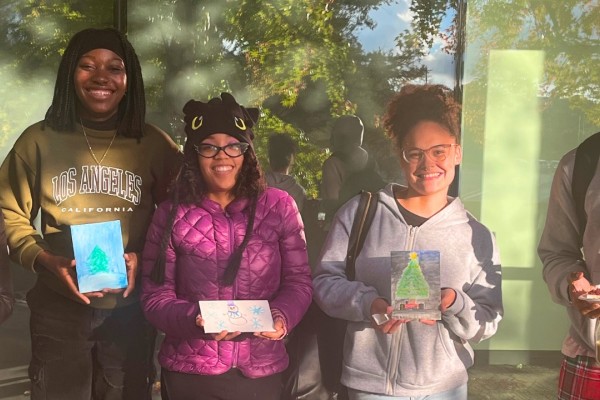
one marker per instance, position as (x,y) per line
(439,153)
(210,150)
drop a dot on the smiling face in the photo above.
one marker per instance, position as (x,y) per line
(220,172)
(428,177)
(100,84)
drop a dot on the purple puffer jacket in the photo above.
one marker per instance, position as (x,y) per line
(274,267)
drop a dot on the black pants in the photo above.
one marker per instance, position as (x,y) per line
(81,353)
(231,385)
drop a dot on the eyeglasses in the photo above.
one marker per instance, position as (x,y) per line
(210,150)
(436,153)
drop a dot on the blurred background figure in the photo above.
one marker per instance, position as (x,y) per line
(282,152)
(349,169)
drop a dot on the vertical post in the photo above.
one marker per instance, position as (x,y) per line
(120,15)
(461,12)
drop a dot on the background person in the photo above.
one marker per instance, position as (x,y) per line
(223,236)
(569,270)
(92,159)
(282,152)
(410,359)
(349,169)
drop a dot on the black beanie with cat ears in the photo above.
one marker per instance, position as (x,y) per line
(219,115)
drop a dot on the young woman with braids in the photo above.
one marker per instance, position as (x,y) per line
(223,236)
(93,158)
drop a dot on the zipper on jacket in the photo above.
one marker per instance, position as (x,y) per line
(236,347)
(230,233)
(392,373)
(411,237)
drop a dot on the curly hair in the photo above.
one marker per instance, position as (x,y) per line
(62,113)
(417,103)
(190,188)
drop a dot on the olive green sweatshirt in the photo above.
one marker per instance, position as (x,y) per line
(55,174)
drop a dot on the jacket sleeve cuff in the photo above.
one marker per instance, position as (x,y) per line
(368,300)
(564,291)
(276,314)
(458,305)
(30,254)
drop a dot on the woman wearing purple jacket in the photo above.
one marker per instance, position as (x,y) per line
(223,236)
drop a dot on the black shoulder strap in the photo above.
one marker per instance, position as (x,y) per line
(586,160)
(360,226)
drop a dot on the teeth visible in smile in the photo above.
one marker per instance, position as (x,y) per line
(223,168)
(432,175)
(100,93)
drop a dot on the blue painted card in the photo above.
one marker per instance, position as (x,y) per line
(236,316)
(98,249)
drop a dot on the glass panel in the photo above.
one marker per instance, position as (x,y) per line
(303,62)
(530,95)
(32,38)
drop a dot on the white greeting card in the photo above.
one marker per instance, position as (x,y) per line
(236,316)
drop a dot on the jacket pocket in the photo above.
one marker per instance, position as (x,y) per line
(428,357)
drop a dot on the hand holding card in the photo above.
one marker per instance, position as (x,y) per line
(236,316)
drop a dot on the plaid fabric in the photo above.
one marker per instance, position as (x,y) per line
(579,379)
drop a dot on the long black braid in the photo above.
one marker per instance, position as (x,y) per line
(158,272)
(62,114)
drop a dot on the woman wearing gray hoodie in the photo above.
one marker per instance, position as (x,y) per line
(406,358)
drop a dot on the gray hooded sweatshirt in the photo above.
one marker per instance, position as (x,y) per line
(287,183)
(561,254)
(419,359)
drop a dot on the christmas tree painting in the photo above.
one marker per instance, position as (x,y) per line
(97,261)
(412,283)
(415,284)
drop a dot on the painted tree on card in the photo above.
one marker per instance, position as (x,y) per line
(97,261)
(412,284)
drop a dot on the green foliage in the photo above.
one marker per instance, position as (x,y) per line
(34,35)
(567,33)
(299,60)
(309,155)
(428,17)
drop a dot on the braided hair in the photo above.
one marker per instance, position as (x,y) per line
(62,113)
